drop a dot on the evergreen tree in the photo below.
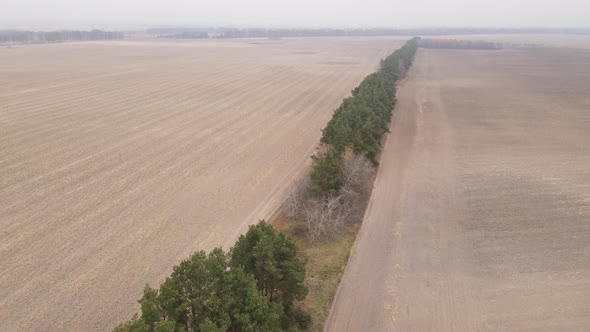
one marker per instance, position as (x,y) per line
(272,259)
(248,309)
(325,173)
(204,294)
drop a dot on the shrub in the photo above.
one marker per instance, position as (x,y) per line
(303,319)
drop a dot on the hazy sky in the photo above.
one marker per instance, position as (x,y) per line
(312,13)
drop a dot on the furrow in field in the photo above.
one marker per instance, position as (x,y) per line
(105,92)
(293,99)
(60,177)
(134,128)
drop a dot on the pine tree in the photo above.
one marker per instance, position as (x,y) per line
(248,309)
(272,259)
(204,294)
(325,174)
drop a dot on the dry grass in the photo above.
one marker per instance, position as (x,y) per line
(326,263)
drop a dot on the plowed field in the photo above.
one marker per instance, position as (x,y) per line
(480,214)
(118,159)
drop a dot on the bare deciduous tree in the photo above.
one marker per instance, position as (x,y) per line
(325,216)
(297,198)
(357,171)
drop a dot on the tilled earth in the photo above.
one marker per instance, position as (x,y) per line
(118,159)
(480,215)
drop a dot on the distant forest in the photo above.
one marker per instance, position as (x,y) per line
(279,33)
(23,37)
(458,44)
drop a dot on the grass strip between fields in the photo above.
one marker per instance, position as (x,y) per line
(326,261)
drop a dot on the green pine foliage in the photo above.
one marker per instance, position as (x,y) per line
(272,259)
(325,175)
(252,288)
(361,120)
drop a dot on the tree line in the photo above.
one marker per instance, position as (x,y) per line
(253,287)
(458,44)
(228,32)
(361,120)
(20,36)
(338,186)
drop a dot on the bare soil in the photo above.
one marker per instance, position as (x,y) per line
(479,219)
(546,40)
(119,159)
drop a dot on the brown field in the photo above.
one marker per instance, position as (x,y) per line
(480,215)
(547,40)
(118,159)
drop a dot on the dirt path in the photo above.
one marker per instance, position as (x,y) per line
(479,215)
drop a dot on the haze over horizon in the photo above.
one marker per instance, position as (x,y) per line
(36,14)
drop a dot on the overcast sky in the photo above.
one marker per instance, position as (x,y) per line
(304,13)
